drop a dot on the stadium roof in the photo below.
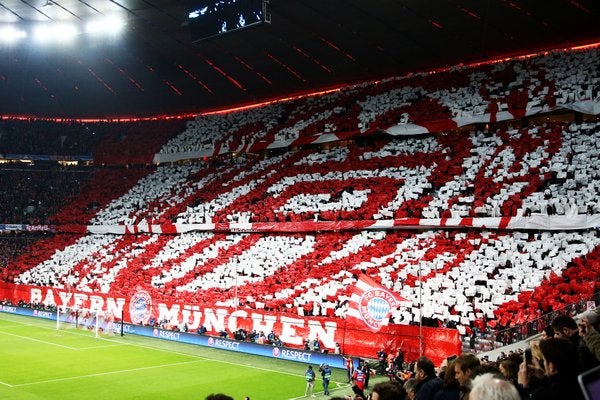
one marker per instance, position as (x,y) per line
(155,69)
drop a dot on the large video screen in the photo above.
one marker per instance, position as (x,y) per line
(210,18)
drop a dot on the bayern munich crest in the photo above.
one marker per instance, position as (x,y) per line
(375,305)
(140,307)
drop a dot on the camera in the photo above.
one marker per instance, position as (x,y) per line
(528,357)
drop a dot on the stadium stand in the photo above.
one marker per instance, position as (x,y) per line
(191,231)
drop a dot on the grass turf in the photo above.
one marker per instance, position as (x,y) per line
(40,362)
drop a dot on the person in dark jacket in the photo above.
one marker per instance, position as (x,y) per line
(565,327)
(428,382)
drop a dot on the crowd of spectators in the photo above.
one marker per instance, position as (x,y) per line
(12,245)
(468,275)
(33,195)
(544,368)
(39,137)
(455,97)
(546,169)
(472,279)
(110,143)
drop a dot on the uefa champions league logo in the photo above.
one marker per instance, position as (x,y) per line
(375,305)
(140,307)
(276,351)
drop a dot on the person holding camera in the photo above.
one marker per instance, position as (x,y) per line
(561,366)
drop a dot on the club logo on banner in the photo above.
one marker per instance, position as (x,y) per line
(140,307)
(372,303)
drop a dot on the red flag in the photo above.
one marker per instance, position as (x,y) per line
(371,304)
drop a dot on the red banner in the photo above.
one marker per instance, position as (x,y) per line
(293,330)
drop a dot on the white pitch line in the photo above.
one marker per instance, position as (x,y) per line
(39,341)
(5,384)
(70,378)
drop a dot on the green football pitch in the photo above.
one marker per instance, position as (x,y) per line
(40,362)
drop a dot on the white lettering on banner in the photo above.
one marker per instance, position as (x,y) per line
(292,331)
(96,303)
(288,331)
(80,300)
(169,335)
(327,335)
(214,321)
(295,355)
(170,314)
(126,328)
(45,314)
(35,296)
(115,307)
(194,312)
(9,309)
(226,344)
(64,297)
(232,325)
(266,327)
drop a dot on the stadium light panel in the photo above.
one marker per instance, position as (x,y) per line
(10,34)
(55,33)
(110,26)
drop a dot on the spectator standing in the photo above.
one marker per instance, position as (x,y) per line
(399,361)
(367,370)
(349,367)
(547,332)
(463,367)
(450,387)
(336,349)
(509,369)
(382,357)
(428,382)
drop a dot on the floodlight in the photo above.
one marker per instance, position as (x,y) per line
(109,26)
(51,32)
(10,34)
